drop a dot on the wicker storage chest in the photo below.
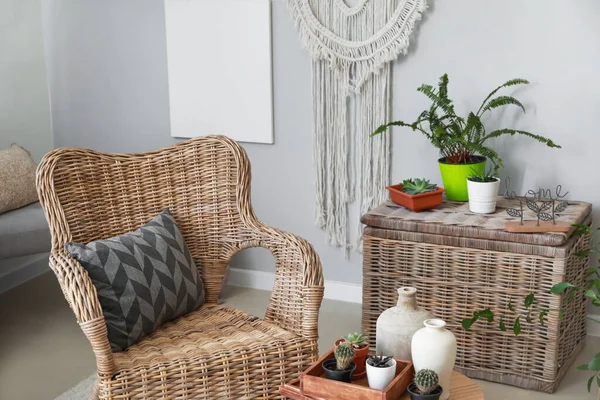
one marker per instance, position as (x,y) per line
(462,262)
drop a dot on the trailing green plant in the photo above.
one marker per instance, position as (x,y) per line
(590,288)
(488,175)
(458,138)
(379,361)
(417,186)
(356,339)
(426,380)
(344,354)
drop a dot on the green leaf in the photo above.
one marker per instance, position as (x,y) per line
(529,300)
(510,306)
(583,367)
(468,322)
(542,315)
(501,101)
(487,314)
(561,287)
(512,82)
(597,380)
(589,384)
(517,326)
(512,132)
(591,294)
(581,229)
(594,364)
(501,325)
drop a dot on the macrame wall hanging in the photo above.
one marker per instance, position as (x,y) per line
(351,48)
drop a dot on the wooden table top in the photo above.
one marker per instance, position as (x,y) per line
(461,388)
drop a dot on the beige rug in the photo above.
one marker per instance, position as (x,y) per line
(81,391)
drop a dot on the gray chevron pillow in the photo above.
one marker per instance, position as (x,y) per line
(144,278)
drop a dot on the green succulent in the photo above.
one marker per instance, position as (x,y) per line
(417,186)
(426,380)
(344,354)
(355,339)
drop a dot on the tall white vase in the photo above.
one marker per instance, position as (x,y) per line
(434,347)
(397,325)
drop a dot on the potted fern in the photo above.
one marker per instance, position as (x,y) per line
(483,192)
(416,194)
(462,141)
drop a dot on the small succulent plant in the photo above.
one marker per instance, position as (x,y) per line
(426,380)
(356,339)
(379,361)
(344,354)
(417,186)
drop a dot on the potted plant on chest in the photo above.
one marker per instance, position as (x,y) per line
(416,194)
(462,141)
(425,386)
(483,192)
(342,367)
(381,370)
(361,351)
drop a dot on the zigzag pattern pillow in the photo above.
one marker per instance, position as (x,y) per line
(144,278)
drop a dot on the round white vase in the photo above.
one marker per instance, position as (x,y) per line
(434,347)
(483,196)
(397,325)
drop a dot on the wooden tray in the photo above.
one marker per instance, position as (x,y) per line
(313,383)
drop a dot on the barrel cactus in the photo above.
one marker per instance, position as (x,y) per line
(344,354)
(426,381)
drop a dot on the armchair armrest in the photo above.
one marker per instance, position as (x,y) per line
(81,295)
(298,288)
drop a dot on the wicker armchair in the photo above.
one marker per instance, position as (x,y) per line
(215,352)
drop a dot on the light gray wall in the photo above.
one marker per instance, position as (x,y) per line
(109,92)
(24,102)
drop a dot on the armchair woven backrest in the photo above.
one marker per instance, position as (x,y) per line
(88,195)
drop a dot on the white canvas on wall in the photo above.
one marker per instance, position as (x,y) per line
(220,72)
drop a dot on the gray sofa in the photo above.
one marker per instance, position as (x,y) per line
(24,245)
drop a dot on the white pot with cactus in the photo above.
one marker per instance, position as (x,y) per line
(381,371)
(483,192)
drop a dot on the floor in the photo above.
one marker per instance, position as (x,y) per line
(43,352)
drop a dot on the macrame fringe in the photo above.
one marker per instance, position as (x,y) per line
(351,49)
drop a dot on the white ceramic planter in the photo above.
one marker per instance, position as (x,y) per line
(380,378)
(434,347)
(397,325)
(483,196)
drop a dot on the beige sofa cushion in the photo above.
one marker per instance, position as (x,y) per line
(17,178)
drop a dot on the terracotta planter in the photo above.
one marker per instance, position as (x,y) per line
(360,359)
(418,202)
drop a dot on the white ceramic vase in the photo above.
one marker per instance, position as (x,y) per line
(397,325)
(434,347)
(380,378)
(483,196)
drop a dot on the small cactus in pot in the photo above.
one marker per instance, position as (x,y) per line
(426,380)
(361,350)
(344,354)
(425,386)
(342,367)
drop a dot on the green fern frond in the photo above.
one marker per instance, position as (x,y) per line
(512,82)
(438,101)
(512,132)
(502,101)
(443,86)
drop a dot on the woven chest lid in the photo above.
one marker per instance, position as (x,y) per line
(454,219)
